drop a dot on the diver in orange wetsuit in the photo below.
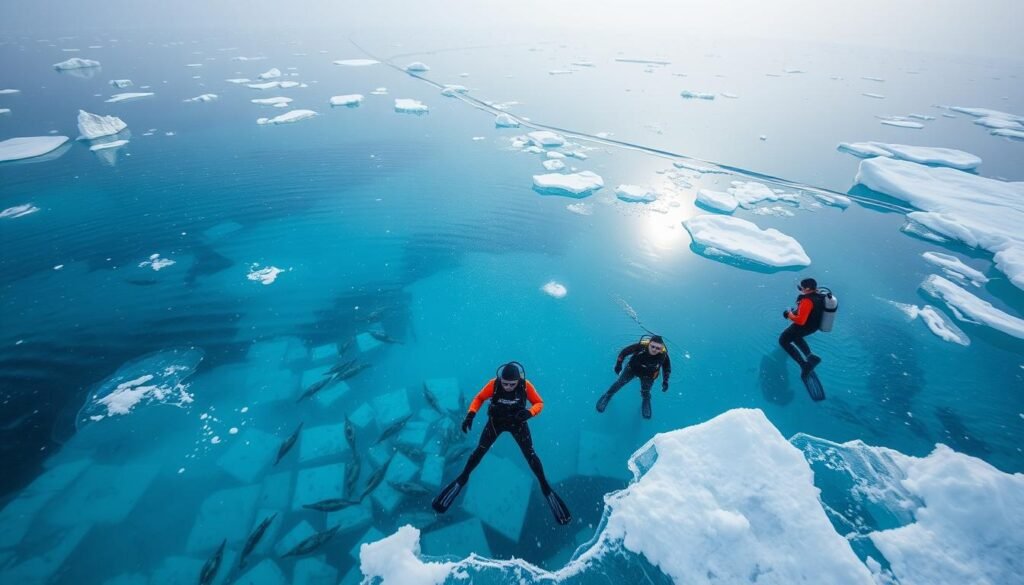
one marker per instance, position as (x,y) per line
(514,400)
(810,306)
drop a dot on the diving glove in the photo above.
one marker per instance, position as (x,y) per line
(467,423)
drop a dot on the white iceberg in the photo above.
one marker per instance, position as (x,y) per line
(277,102)
(206,97)
(553,165)
(696,95)
(450,90)
(410,106)
(9,91)
(75,63)
(938,323)
(978,211)
(750,193)
(742,239)
(544,138)
(635,194)
(505,121)
(579,184)
(1009,133)
(417,66)
(29,146)
(123,97)
(353,99)
(970,308)
(5,110)
(930,155)
(356,62)
(17,210)
(271,74)
(92,126)
(121,83)
(288,117)
(238,80)
(955,267)
(108,145)
(554,289)
(717,200)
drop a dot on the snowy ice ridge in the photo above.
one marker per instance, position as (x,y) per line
(92,126)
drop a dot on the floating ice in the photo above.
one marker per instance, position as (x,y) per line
(380,91)
(264,276)
(697,95)
(1009,133)
(996,123)
(986,113)
(553,165)
(156,262)
(274,85)
(108,145)
(869,78)
(75,63)
(29,146)
(92,126)
(776,210)
(17,210)
(580,208)
(277,102)
(938,323)
(410,106)
(124,97)
(902,123)
(544,138)
(505,121)
(238,80)
(740,238)
(635,194)
(356,62)
(970,308)
(929,155)
(877,96)
(121,83)
(924,117)
(9,91)
(5,110)
(750,193)
(350,100)
(955,267)
(717,200)
(417,66)
(270,74)
(976,210)
(731,96)
(554,289)
(450,90)
(288,117)
(579,184)
(395,559)
(206,97)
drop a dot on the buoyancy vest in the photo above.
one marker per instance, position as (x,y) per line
(644,364)
(813,322)
(506,403)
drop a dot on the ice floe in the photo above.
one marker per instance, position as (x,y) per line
(924,117)
(994,122)
(238,80)
(544,138)
(121,83)
(288,117)
(9,91)
(729,95)
(579,184)
(76,63)
(108,145)
(750,193)
(554,289)
(450,90)
(635,194)
(353,99)
(1009,133)
(970,308)
(274,85)
(697,95)
(410,106)
(975,210)
(580,208)
(277,102)
(986,113)
(742,239)
(270,74)
(955,268)
(937,322)
(553,165)
(417,67)
(870,78)
(155,378)
(156,262)
(901,123)
(505,121)
(92,126)
(356,62)
(876,96)
(29,146)
(379,91)
(18,210)
(929,155)
(717,200)
(123,97)
(206,97)
(263,276)
(5,110)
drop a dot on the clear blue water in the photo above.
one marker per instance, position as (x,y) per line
(368,210)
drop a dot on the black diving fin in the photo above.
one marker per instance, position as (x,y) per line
(558,508)
(444,500)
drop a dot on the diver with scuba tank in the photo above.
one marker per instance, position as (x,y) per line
(647,359)
(815,311)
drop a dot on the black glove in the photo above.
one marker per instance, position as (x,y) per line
(785,314)
(618,367)
(664,386)
(523,415)
(467,423)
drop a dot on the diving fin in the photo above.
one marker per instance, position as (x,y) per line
(813,384)
(645,406)
(558,508)
(444,500)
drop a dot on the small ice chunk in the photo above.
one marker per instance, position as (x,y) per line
(356,62)
(417,66)
(17,210)
(554,154)
(869,78)
(238,80)
(745,240)
(273,85)
(410,106)
(380,91)
(264,276)
(121,83)
(833,199)
(1009,133)
(553,165)
(29,146)
(206,97)
(9,91)
(902,123)
(939,324)
(579,184)
(544,138)
(924,117)
(450,90)
(996,122)
(970,308)
(505,121)
(953,266)
(270,74)
(5,110)
(93,126)
(156,262)
(124,97)
(288,117)
(274,101)
(750,193)
(353,99)
(698,95)
(717,200)
(560,72)
(75,63)
(554,289)
(108,145)
(731,96)
(876,96)
(635,194)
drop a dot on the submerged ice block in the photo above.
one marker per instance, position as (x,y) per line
(401,469)
(324,354)
(276,491)
(367,342)
(330,395)
(352,518)
(313,571)
(447,393)
(265,573)
(456,539)
(19,514)
(594,459)
(372,535)
(362,417)
(319,483)
(391,407)
(224,514)
(104,493)
(323,442)
(251,453)
(499,494)
(432,474)
(40,569)
(413,434)
(387,498)
(294,536)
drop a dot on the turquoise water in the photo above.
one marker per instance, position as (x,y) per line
(408,225)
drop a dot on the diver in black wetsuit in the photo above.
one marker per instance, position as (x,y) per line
(646,359)
(810,306)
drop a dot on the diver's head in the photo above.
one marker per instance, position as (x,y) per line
(656,345)
(510,376)
(808,285)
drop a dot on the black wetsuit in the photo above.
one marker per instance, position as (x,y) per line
(641,365)
(792,338)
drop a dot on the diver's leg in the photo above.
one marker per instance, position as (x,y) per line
(624,378)
(522,435)
(645,396)
(487,438)
(787,339)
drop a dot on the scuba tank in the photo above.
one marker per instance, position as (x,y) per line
(830,306)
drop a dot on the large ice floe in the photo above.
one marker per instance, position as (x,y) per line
(579,184)
(157,378)
(92,126)
(288,117)
(977,211)
(544,138)
(635,194)
(274,85)
(75,63)
(29,146)
(946,157)
(971,309)
(738,238)
(124,97)
(410,106)
(277,102)
(717,200)
(955,268)
(750,193)
(937,322)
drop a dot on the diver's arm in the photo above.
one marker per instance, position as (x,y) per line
(803,311)
(483,395)
(537,403)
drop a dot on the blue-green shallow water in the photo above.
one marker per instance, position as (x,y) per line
(369,210)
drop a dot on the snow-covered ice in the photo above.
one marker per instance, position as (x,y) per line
(18,210)
(450,90)
(717,200)
(123,97)
(575,184)
(270,74)
(635,194)
(288,117)
(353,99)
(277,102)
(902,123)
(554,289)
(929,155)
(108,145)
(743,239)
(505,121)
(553,165)
(121,83)
(410,106)
(937,322)
(76,63)
(274,85)
(750,193)
(156,262)
(955,267)
(970,308)
(698,95)
(417,67)
(29,146)
(544,138)
(1009,133)
(263,276)
(238,80)
(986,113)
(92,126)
(356,62)
(206,97)
(995,122)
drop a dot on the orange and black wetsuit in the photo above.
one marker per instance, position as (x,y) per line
(806,320)
(503,415)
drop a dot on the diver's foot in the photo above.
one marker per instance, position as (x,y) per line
(812,362)
(602,402)
(645,407)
